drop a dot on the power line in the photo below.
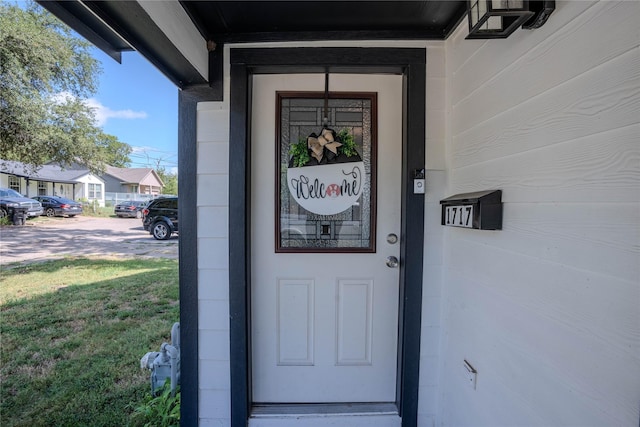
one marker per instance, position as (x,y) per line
(153,158)
(149,165)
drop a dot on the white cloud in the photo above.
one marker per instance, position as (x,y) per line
(104,113)
(140,149)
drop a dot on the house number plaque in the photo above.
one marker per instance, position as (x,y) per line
(459,216)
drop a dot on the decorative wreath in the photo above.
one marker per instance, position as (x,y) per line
(327,148)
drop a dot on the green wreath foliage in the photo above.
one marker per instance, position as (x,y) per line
(348,147)
(300,153)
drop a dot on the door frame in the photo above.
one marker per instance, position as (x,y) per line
(246,62)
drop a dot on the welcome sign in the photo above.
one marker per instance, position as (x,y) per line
(325,172)
(327,189)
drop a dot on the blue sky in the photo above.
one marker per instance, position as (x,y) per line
(139,106)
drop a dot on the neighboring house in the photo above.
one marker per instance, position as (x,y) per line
(545,309)
(76,182)
(143,181)
(51,180)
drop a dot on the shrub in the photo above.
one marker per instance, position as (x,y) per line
(160,411)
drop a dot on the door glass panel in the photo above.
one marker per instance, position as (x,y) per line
(326,201)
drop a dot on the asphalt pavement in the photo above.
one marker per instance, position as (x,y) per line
(54,238)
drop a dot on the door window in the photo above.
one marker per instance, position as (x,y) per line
(326,172)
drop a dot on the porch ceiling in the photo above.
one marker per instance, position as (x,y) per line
(251,21)
(117,26)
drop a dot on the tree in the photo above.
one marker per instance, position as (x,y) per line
(117,153)
(169,179)
(45,74)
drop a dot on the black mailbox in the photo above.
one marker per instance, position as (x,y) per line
(481,210)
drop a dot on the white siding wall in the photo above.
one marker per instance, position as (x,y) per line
(435,191)
(213,262)
(547,310)
(32,189)
(82,188)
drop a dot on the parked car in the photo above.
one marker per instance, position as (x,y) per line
(130,209)
(11,199)
(59,206)
(160,217)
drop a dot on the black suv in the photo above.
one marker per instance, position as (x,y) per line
(160,217)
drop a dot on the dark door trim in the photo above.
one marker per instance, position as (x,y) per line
(409,62)
(188,264)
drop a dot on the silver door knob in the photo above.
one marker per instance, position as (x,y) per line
(392,262)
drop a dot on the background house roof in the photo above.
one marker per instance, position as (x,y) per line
(50,173)
(71,174)
(132,175)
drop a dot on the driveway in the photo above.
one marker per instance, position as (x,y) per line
(52,238)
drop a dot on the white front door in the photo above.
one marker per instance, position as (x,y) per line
(324,326)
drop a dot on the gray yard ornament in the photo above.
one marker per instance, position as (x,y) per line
(164,364)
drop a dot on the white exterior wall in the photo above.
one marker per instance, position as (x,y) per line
(31,190)
(67,189)
(26,190)
(82,188)
(4,181)
(213,263)
(436,125)
(547,310)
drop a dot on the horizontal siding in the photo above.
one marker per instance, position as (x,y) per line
(562,115)
(436,98)
(597,168)
(603,304)
(462,55)
(546,309)
(213,263)
(577,46)
(435,162)
(567,233)
(524,378)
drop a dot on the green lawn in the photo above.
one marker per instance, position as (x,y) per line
(72,333)
(103,212)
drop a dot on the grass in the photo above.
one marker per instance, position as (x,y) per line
(103,212)
(72,334)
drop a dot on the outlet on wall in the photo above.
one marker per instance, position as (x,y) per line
(471,374)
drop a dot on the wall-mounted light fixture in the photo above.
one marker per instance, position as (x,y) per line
(497,19)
